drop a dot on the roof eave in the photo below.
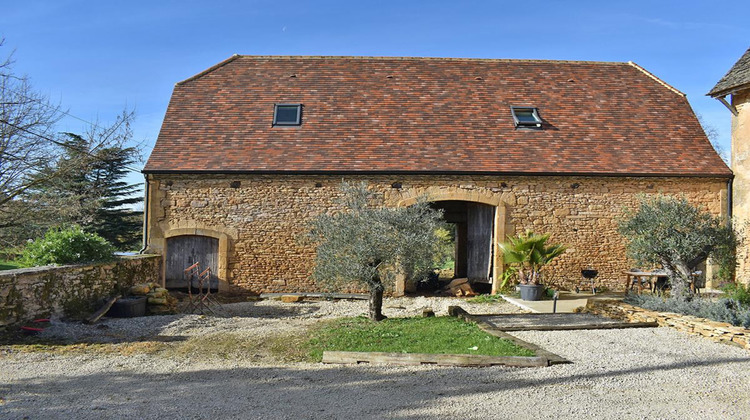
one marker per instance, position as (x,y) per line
(728,91)
(729,175)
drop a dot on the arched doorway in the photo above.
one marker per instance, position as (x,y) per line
(495,204)
(184,246)
(472,226)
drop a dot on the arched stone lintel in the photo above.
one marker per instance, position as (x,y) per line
(196,231)
(410,197)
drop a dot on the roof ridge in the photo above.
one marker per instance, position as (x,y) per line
(661,82)
(494,60)
(209,70)
(368,57)
(364,57)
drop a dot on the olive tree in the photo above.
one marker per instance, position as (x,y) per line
(671,232)
(368,244)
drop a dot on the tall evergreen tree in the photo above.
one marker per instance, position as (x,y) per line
(90,191)
(86,186)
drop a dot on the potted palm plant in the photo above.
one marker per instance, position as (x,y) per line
(528,253)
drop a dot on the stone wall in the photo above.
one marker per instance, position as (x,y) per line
(716,331)
(262,217)
(741,183)
(70,291)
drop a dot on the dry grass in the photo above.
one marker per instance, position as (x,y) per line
(227,346)
(217,346)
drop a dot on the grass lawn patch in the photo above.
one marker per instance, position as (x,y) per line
(486,299)
(441,335)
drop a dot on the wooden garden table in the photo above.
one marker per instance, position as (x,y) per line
(652,276)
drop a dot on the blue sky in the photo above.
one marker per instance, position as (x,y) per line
(98,57)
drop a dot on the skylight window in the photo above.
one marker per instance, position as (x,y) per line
(287,114)
(526,117)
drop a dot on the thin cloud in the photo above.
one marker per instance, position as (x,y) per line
(682,25)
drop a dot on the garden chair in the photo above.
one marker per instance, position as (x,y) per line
(661,285)
(698,283)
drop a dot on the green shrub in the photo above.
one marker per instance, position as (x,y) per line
(528,254)
(738,292)
(67,246)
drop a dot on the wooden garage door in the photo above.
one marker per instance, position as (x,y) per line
(184,251)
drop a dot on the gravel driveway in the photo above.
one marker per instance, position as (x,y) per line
(629,374)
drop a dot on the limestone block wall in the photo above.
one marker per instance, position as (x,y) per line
(721,332)
(71,291)
(264,216)
(741,184)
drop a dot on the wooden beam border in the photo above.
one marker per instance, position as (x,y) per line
(594,326)
(410,359)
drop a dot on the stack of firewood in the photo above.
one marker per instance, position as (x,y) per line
(459,287)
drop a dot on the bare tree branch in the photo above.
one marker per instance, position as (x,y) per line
(713,136)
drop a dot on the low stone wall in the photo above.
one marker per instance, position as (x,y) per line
(71,291)
(717,331)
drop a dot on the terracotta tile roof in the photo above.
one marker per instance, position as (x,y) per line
(737,77)
(431,115)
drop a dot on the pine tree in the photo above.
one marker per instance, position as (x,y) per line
(114,219)
(89,190)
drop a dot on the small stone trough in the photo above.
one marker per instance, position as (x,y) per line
(128,307)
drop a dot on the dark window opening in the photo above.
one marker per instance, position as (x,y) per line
(526,117)
(287,114)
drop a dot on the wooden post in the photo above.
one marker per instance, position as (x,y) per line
(497,257)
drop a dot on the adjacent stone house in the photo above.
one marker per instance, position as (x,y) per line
(255,146)
(736,85)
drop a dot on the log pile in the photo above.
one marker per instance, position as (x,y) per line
(459,287)
(160,302)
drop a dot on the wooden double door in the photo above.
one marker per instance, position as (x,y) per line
(183,252)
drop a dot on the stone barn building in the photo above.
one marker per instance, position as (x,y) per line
(255,146)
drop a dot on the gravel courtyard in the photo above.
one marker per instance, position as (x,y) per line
(629,374)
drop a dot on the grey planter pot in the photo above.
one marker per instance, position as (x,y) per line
(531,291)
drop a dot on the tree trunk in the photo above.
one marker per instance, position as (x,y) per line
(679,277)
(684,274)
(376,301)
